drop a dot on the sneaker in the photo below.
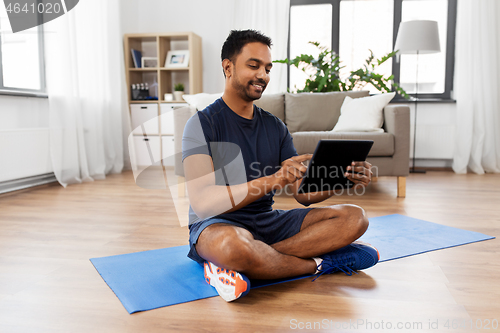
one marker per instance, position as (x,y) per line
(349,259)
(230,285)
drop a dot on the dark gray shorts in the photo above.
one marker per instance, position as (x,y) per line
(270,227)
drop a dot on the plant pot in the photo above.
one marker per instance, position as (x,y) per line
(178,95)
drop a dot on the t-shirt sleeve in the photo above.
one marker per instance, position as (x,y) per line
(196,136)
(287,149)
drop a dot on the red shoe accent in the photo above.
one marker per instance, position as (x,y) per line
(207,278)
(241,287)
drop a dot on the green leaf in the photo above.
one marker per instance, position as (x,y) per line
(325,69)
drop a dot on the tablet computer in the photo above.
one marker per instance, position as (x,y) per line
(327,168)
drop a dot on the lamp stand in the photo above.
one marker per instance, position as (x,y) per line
(413,170)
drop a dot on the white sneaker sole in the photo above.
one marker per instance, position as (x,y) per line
(229,286)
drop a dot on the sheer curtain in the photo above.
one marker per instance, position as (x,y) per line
(477,87)
(271,18)
(84,83)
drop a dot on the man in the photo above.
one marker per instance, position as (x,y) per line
(235,156)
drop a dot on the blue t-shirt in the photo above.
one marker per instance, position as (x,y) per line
(241,149)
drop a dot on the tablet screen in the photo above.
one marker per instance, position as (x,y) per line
(329,164)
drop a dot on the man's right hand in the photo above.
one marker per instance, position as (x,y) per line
(291,170)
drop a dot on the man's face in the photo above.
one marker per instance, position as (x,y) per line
(251,70)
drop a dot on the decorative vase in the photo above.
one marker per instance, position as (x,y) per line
(178,95)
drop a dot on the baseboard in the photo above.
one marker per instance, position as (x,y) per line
(23,183)
(434,168)
(428,164)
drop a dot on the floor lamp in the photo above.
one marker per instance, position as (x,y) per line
(417,37)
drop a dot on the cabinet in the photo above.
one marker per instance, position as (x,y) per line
(143,146)
(145,115)
(152,120)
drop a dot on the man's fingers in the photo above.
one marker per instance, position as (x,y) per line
(358,178)
(299,166)
(296,162)
(302,158)
(359,172)
(296,171)
(362,163)
(360,169)
(293,168)
(355,176)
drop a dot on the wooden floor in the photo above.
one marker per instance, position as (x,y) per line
(47,283)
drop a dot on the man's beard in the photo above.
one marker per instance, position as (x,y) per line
(245,91)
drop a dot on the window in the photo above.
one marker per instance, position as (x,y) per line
(301,33)
(365,25)
(353,27)
(21,59)
(431,67)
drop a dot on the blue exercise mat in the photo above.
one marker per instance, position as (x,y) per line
(152,279)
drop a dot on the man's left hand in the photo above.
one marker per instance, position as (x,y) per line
(360,173)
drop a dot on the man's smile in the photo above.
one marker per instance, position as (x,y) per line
(259,86)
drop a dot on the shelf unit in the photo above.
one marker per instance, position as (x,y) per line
(159,131)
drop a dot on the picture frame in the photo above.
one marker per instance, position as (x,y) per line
(149,62)
(177,59)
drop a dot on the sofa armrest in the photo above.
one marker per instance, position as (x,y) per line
(181,116)
(397,122)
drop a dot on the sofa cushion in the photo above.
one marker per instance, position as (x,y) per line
(306,142)
(315,111)
(274,103)
(363,114)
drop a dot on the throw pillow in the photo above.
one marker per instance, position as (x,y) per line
(363,114)
(201,101)
(315,111)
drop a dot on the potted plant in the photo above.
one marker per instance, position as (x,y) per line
(178,91)
(324,73)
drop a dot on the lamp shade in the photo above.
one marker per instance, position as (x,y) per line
(421,36)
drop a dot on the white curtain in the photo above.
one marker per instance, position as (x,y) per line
(271,18)
(477,87)
(84,82)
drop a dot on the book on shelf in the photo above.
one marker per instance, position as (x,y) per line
(136,56)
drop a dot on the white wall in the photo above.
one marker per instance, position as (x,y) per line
(23,112)
(435,133)
(24,137)
(208,19)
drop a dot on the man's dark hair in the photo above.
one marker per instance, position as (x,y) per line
(239,38)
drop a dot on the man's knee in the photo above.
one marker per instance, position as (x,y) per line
(228,247)
(237,247)
(353,217)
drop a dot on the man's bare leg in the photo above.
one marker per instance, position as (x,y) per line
(323,230)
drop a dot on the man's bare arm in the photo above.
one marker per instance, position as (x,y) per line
(208,199)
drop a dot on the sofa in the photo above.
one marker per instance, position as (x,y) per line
(310,117)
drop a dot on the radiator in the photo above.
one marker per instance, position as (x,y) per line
(24,153)
(434,141)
